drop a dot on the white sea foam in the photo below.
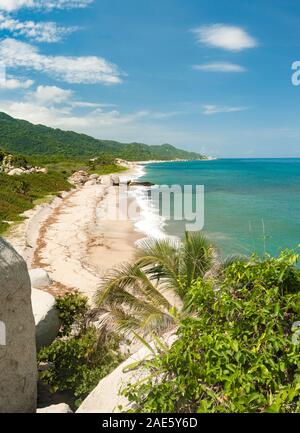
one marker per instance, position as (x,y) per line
(149,222)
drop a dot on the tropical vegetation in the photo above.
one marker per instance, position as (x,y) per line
(147,296)
(236,327)
(238,350)
(21,193)
(78,359)
(20,136)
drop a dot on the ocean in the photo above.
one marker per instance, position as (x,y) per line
(250,205)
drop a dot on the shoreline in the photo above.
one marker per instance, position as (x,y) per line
(72,239)
(209,158)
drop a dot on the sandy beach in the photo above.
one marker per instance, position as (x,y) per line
(73,239)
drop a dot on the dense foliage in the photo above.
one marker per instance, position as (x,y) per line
(23,137)
(72,308)
(134,297)
(18,193)
(78,360)
(78,363)
(239,353)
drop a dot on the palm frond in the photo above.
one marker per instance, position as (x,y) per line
(197,257)
(160,259)
(131,298)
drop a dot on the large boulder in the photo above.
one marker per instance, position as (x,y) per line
(45,316)
(106,180)
(91,182)
(39,278)
(18,368)
(115,180)
(94,176)
(107,396)
(56,408)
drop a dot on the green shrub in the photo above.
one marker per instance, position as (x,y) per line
(77,364)
(18,193)
(71,307)
(237,354)
(19,161)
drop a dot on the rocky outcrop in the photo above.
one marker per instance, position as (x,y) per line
(45,316)
(136,183)
(20,171)
(81,177)
(18,370)
(7,165)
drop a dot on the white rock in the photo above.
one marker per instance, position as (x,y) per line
(115,180)
(39,278)
(106,180)
(42,170)
(91,182)
(106,397)
(55,408)
(94,176)
(15,172)
(45,317)
(18,371)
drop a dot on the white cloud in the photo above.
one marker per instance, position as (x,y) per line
(216,109)
(82,104)
(230,38)
(12,83)
(219,67)
(54,107)
(51,95)
(41,31)
(12,5)
(88,69)
(62,116)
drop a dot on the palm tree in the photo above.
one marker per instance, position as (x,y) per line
(147,296)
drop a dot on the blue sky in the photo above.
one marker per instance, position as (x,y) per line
(209,76)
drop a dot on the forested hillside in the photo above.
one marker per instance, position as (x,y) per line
(23,137)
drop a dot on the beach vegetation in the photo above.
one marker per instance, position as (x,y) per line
(72,308)
(238,351)
(148,295)
(78,359)
(18,193)
(77,364)
(21,193)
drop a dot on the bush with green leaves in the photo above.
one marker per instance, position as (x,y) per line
(237,351)
(72,308)
(77,360)
(78,363)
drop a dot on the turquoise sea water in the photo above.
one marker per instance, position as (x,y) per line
(250,204)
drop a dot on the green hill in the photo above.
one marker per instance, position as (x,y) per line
(23,137)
